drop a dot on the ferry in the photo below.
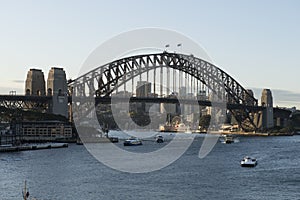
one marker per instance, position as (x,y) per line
(167,128)
(133,141)
(181,127)
(228,139)
(228,128)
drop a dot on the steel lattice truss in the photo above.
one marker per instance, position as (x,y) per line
(35,103)
(102,81)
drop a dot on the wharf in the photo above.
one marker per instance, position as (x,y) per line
(256,134)
(28,147)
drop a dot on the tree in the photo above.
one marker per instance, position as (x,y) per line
(204,122)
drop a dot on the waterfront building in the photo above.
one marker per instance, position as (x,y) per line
(45,130)
(281,116)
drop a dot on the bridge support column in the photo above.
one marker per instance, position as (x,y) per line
(35,83)
(57,88)
(267,115)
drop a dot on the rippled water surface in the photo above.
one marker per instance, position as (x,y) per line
(72,173)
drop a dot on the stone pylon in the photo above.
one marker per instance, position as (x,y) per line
(35,83)
(58,89)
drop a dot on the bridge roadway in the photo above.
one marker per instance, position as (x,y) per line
(26,102)
(25,98)
(107,100)
(21,100)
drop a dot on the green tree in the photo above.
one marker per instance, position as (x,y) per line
(204,122)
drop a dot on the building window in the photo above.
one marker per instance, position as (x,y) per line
(49,92)
(27,92)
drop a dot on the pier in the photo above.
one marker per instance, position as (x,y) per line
(10,148)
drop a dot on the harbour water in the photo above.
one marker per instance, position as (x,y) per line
(72,173)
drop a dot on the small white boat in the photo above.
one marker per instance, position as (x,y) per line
(133,141)
(248,162)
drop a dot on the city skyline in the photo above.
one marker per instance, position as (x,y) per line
(255,42)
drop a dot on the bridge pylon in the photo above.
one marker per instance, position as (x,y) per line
(35,83)
(58,89)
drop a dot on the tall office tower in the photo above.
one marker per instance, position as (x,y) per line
(35,83)
(267,102)
(201,95)
(58,89)
(143,89)
(182,92)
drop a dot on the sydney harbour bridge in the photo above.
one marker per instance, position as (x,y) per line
(160,78)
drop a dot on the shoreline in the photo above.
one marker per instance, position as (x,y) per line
(29,147)
(257,134)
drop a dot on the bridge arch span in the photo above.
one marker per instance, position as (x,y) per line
(103,80)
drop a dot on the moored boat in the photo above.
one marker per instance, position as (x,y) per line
(79,142)
(167,128)
(113,139)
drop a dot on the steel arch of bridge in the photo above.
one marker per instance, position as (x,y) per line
(102,81)
(35,103)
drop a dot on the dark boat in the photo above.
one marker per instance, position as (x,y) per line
(159,139)
(113,139)
(228,139)
(79,142)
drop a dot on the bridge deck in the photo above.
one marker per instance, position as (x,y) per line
(43,99)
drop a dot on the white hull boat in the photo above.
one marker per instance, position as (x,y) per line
(248,162)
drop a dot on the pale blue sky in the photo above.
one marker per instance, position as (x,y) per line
(257,42)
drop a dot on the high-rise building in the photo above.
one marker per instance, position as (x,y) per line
(182,92)
(35,83)
(202,95)
(143,89)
